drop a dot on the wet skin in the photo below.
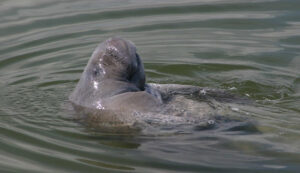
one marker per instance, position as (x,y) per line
(112,93)
(112,86)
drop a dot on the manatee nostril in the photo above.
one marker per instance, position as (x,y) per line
(112,51)
(114,56)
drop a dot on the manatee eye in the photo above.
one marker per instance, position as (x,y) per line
(96,72)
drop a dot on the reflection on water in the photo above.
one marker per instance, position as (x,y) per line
(248,48)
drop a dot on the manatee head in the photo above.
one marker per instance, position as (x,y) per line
(116,59)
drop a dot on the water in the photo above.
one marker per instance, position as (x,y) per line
(250,48)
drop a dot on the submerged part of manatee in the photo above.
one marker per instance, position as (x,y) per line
(112,96)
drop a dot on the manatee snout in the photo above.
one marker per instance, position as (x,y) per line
(117,58)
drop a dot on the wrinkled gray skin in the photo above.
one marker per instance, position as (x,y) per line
(112,93)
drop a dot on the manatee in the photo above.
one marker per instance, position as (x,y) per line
(112,94)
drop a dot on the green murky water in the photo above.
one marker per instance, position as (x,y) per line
(249,47)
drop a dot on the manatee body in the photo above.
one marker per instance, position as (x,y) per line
(112,94)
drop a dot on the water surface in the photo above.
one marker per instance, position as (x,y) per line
(250,48)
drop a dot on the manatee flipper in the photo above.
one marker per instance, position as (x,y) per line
(168,90)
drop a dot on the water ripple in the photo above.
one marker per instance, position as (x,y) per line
(248,48)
